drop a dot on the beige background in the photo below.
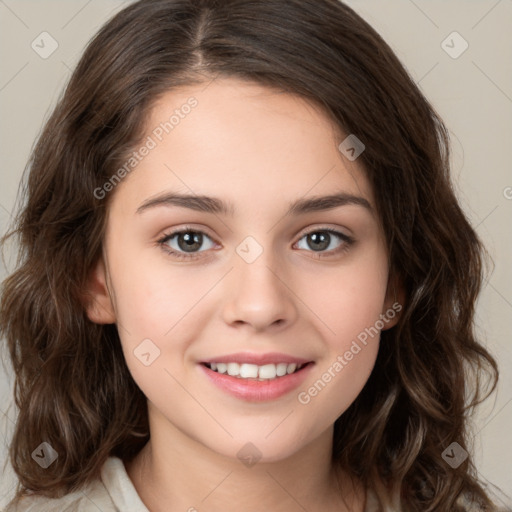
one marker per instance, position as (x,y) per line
(473,94)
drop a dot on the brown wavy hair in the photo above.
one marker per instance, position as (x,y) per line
(72,385)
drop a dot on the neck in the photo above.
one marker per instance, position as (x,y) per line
(176,473)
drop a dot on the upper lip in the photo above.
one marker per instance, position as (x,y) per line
(257,359)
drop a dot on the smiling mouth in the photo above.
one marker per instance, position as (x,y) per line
(246,371)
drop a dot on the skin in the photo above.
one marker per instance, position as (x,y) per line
(260,150)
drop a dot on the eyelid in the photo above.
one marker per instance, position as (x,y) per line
(184,229)
(314,229)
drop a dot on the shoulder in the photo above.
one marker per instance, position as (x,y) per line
(372,503)
(501,502)
(113,492)
(90,498)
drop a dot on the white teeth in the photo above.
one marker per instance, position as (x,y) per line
(248,370)
(233,369)
(267,371)
(281,369)
(291,368)
(252,371)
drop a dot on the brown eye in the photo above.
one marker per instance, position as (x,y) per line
(186,242)
(189,241)
(324,241)
(318,241)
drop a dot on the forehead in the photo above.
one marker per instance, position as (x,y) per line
(245,142)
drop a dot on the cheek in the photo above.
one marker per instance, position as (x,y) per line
(153,294)
(349,303)
(160,308)
(337,383)
(348,300)
(352,341)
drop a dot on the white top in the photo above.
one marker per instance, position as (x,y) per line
(113,492)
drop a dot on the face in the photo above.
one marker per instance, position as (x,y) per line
(277,282)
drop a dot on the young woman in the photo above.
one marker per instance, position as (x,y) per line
(245,281)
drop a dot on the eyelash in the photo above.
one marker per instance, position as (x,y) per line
(348,241)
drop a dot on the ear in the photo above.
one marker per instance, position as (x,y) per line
(96,298)
(394,301)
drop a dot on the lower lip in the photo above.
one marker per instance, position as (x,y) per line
(258,390)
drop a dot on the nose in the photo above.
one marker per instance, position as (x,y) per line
(257,296)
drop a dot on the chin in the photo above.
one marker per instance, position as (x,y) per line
(250,450)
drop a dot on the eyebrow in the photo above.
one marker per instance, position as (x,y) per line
(218,206)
